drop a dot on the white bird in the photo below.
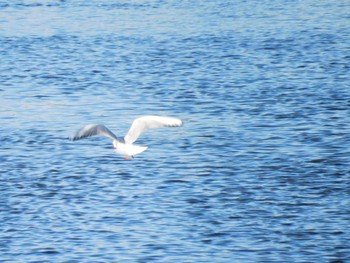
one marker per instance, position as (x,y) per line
(125,146)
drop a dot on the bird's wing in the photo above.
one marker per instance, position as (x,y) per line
(91,130)
(148,122)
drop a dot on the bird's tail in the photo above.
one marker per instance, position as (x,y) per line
(137,149)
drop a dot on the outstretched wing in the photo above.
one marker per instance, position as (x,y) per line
(91,130)
(148,122)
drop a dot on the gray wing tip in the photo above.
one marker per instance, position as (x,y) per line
(73,138)
(92,130)
(83,132)
(179,124)
(175,125)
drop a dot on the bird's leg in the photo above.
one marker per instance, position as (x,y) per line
(126,157)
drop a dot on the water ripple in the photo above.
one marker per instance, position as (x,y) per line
(258,173)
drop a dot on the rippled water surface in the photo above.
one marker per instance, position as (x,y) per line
(260,171)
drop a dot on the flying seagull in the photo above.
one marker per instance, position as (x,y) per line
(125,146)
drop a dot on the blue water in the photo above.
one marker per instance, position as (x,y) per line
(260,171)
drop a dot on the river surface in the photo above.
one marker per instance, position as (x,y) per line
(259,172)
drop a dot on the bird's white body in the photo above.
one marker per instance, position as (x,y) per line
(125,146)
(127,149)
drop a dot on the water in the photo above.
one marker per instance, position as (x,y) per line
(260,171)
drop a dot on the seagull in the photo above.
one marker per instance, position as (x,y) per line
(125,146)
